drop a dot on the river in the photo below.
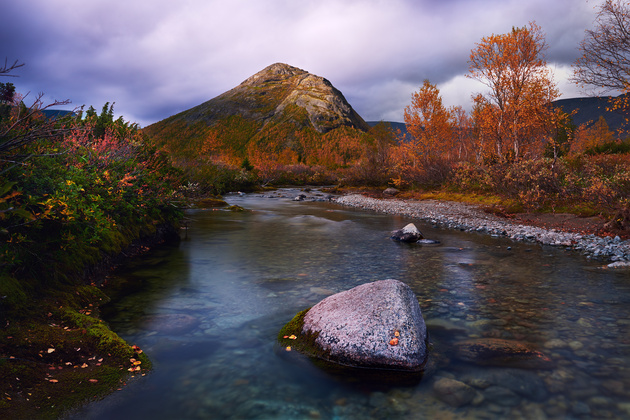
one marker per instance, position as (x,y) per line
(207,312)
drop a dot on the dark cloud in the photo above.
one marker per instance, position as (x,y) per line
(155,57)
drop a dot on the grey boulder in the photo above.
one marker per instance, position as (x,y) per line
(375,325)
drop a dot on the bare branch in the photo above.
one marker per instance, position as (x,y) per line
(8,68)
(605,61)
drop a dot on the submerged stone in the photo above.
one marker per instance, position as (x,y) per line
(453,392)
(500,352)
(376,325)
(409,233)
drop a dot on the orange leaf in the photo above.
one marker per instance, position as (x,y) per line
(393,341)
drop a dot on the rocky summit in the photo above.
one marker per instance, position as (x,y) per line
(281,93)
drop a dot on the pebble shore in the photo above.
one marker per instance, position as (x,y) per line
(470,218)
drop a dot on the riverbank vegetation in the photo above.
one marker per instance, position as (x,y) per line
(76,191)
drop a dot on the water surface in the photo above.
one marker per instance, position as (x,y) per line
(207,312)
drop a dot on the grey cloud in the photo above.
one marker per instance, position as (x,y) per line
(156,58)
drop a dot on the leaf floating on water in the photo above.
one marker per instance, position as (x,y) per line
(53,381)
(393,341)
(93,380)
(84,365)
(50,350)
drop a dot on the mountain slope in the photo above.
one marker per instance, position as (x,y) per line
(589,109)
(265,96)
(281,109)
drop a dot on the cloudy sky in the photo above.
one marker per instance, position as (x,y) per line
(155,58)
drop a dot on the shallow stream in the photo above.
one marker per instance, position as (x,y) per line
(207,312)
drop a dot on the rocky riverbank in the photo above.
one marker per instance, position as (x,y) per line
(471,218)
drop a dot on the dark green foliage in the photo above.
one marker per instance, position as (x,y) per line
(85,193)
(609,148)
(7,92)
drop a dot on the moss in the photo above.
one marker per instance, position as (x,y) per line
(210,202)
(291,335)
(13,293)
(62,356)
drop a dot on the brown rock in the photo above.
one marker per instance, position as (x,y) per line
(500,352)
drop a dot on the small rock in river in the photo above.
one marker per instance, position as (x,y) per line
(428,242)
(453,392)
(409,233)
(555,344)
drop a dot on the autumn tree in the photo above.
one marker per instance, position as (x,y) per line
(429,124)
(561,134)
(514,114)
(461,134)
(593,136)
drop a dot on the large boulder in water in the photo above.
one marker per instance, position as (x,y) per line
(409,233)
(375,325)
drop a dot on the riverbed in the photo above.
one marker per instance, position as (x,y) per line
(208,310)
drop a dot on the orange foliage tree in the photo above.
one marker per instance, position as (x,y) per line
(591,137)
(429,124)
(512,117)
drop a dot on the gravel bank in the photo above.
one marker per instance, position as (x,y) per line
(470,218)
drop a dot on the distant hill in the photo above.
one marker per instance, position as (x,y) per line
(55,113)
(281,109)
(589,109)
(394,126)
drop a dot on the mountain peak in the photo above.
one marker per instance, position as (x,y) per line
(274,72)
(280,93)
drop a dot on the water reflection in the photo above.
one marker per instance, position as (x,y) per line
(207,312)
